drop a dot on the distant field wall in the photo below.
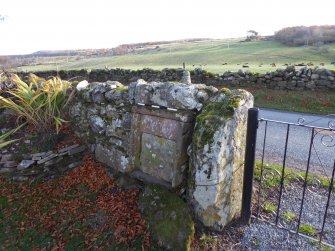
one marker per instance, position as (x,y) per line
(284,79)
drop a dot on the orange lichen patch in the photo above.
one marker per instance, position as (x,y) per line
(65,210)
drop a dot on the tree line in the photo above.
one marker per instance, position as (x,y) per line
(306,35)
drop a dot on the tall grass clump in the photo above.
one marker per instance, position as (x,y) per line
(41,104)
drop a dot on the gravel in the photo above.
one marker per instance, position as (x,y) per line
(264,236)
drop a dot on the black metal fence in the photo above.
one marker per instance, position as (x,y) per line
(292,190)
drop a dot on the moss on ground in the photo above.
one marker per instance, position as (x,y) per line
(168,217)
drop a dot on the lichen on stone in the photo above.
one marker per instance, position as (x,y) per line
(121,88)
(213,114)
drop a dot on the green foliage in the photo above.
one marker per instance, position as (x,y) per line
(289,216)
(41,105)
(308,230)
(270,207)
(4,136)
(273,172)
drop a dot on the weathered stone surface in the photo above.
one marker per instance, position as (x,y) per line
(151,144)
(217,157)
(169,218)
(227,79)
(314,76)
(9,164)
(157,155)
(38,154)
(7,170)
(174,95)
(6,157)
(76,150)
(159,141)
(112,158)
(65,149)
(24,164)
(97,124)
(82,85)
(53,161)
(47,158)
(186,79)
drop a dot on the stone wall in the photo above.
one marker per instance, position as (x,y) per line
(286,79)
(187,137)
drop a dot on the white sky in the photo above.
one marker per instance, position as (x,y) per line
(33,25)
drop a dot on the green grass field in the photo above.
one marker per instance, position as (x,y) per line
(209,54)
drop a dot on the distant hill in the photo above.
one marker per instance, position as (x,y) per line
(217,55)
(119,50)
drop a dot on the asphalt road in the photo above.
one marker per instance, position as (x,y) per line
(299,140)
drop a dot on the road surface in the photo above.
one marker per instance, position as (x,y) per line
(299,140)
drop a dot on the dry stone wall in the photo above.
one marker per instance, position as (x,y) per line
(290,78)
(187,137)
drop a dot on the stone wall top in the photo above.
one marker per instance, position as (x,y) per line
(289,78)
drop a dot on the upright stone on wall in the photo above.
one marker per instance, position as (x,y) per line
(217,158)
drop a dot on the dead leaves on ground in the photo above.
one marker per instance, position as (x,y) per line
(68,207)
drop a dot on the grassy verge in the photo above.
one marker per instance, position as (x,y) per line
(318,102)
(273,173)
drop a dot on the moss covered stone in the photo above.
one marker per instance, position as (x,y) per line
(213,114)
(121,88)
(168,216)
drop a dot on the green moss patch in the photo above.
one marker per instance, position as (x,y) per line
(212,115)
(121,88)
(168,216)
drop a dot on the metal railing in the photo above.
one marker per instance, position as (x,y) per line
(250,183)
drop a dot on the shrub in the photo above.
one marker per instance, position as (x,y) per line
(41,105)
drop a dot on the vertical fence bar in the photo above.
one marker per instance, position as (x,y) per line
(249,164)
(305,181)
(262,168)
(282,175)
(331,186)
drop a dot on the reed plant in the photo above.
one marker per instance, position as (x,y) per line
(40,104)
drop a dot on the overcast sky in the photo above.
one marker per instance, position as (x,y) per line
(33,25)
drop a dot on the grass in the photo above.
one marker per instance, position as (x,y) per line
(273,173)
(318,102)
(308,230)
(210,55)
(270,207)
(289,216)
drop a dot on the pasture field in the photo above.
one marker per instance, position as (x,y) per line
(216,56)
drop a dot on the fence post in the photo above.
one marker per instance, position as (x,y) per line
(249,164)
